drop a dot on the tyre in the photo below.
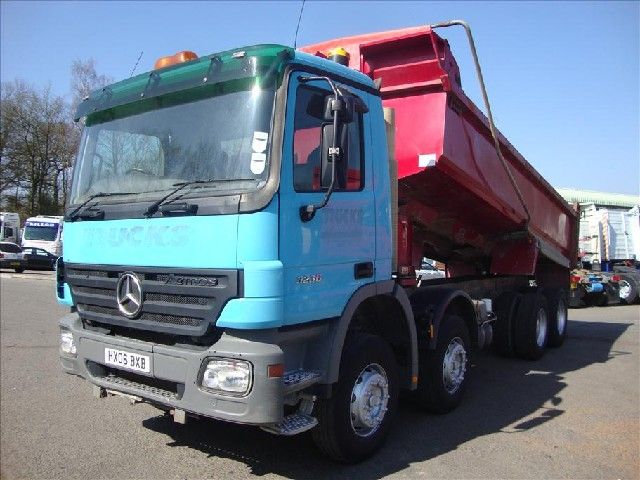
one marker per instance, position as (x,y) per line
(355,421)
(505,309)
(628,289)
(531,328)
(602,300)
(444,372)
(557,303)
(19,270)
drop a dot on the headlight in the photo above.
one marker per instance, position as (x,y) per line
(67,345)
(227,375)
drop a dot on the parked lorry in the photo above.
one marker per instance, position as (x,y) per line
(610,239)
(589,287)
(9,227)
(44,231)
(244,228)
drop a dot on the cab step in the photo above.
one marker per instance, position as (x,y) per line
(297,380)
(292,425)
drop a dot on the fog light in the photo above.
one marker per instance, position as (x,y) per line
(228,375)
(67,345)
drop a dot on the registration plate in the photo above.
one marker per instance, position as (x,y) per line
(127,360)
(15,264)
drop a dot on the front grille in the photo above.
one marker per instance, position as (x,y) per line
(175,301)
(182,300)
(151,317)
(94,291)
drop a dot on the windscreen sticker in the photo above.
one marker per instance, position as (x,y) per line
(258,162)
(258,157)
(259,143)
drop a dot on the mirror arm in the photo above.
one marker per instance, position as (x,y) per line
(307,212)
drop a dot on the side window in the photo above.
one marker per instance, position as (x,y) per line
(307,141)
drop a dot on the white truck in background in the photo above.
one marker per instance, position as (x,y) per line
(610,238)
(609,235)
(10,227)
(43,231)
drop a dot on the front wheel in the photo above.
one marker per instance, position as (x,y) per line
(355,421)
(444,371)
(19,270)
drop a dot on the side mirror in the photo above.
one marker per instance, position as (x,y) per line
(348,106)
(354,105)
(340,109)
(342,144)
(339,106)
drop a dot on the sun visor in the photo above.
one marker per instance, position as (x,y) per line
(262,61)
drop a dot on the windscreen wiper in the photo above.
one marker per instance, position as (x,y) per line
(154,207)
(76,211)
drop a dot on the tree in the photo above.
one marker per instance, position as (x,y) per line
(84,80)
(36,146)
(39,140)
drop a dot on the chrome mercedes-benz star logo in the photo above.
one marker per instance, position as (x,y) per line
(129,295)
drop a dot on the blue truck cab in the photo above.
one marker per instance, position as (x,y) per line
(203,272)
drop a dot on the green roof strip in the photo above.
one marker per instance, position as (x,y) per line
(573,195)
(257,60)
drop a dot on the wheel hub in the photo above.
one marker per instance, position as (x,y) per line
(454,365)
(625,289)
(369,400)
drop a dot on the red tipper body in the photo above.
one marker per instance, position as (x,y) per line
(456,202)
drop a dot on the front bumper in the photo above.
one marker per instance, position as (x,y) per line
(173,380)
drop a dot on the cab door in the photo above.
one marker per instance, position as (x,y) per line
(328,258)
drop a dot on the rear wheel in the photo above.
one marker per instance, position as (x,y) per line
(506,307)
(443,372)
(628,289)
(603,300)
(355,421)
(531,329)
(556,300)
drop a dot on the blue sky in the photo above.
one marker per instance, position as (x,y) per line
(563,77)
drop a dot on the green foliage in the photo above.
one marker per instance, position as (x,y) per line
(38,142)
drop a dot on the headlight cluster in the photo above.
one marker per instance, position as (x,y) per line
(228,375)
(67,344)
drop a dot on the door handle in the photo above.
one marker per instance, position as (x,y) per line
(363,270)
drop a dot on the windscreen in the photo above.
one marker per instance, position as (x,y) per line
(41,231)
(222,140)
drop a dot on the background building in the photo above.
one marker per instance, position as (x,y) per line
(609,224)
